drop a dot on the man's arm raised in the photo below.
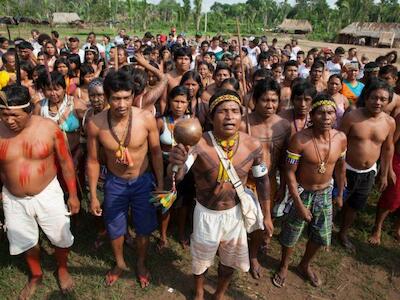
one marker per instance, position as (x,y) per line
(155,149)
(67,169)
(93,166)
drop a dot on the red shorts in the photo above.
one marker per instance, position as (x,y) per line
(390,198)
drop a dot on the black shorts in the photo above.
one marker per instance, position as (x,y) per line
(359,186)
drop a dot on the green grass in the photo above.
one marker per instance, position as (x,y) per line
(372,273)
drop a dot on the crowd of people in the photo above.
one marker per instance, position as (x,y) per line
(287,134)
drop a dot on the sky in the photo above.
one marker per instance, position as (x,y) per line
(208,3)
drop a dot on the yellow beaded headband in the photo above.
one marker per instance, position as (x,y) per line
(324,103)
(222,99)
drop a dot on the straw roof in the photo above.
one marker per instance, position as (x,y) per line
(65,18)
(295,25)
(371,29)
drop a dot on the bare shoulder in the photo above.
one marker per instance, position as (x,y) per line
(285,114)
(282,121)
(390,120)
(353,115)
(250,142)
(99,118)
(339,135)
(40,122)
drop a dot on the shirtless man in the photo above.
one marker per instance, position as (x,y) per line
(273,133)
(218,224)
(182,59)
(222,72)
(126,134)
(389,201)
(31,193)
(316,76)
(370,137)
(389,74)
(313,155)
(290,73)
(301,97)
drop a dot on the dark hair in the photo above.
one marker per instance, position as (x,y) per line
(263,55)
(95,50)
(303,87)
(233,82)
(210,53)
(51,43)
(290,63)
(42,38)
(370,65)
(27,67)
(56,34)
(9,52)
(3,39)
(373,85)
(395,57)
(75,59)
(179,90)
(84,70)
(18,95)
(318,64)
(388,69)
(56,79)
(182,51)
(219,93)
(338,76)
(41,74)
(208,65)
(275,66)
(62,60)
(301,52)
(204,43)
(319,97)
(25,45)
(339,50)
(139,79)
(196,77)
(380,59)
(222,66)
(265,85)
(264,73)
(91,33)
(117,81)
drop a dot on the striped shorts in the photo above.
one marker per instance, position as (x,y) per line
(319,229)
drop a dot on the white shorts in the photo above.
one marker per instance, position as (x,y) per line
(221,231)
(22,216)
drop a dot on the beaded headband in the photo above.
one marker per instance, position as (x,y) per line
(324,103)
(224,98)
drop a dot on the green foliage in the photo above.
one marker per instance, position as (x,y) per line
(255,16)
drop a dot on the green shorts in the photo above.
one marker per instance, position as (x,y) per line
(319,229)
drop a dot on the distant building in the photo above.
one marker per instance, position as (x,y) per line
(295,26)
(371,34)
(66,18)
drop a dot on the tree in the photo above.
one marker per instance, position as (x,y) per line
(186,13)
(197,13)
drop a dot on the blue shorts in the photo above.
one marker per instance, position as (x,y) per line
(120,195)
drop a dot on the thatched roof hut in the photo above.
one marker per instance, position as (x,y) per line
(374,34)
(65,18)
(295,26)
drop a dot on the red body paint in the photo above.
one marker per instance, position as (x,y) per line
(27,149)
(42,168)
(61,144)
(43,149)
(3,150)
(24,174)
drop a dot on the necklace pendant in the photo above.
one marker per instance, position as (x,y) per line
(321,168)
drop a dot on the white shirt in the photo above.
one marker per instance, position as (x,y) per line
(118,40)
(304,72)
(333,68)
(252,54)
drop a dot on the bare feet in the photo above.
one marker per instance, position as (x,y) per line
(217,296)
(345,242)
(279,278)
(375,238)
(184,242)
(255,268)
(114,274)
(162,245)
(30,288)
(143,275)
(309,274)
(65,281)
